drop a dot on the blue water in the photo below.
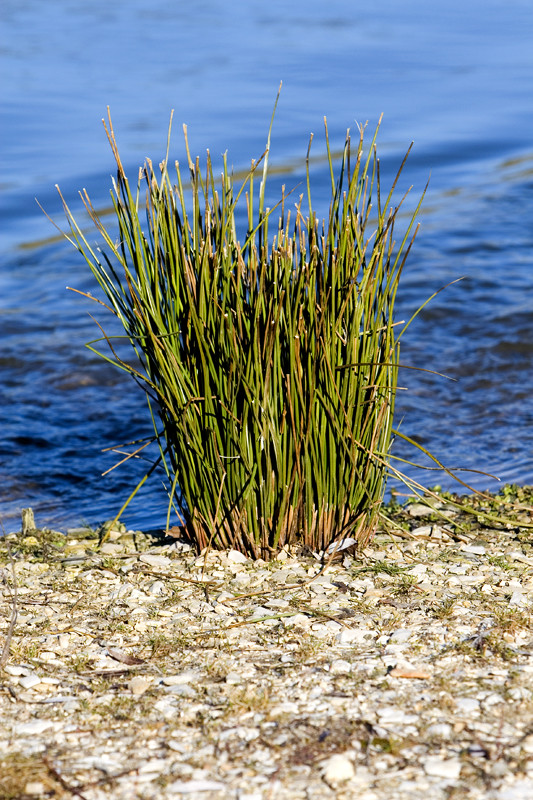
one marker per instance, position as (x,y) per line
(457,78)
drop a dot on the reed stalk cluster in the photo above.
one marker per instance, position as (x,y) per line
(266,342)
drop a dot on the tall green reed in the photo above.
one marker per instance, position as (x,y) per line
(270,361)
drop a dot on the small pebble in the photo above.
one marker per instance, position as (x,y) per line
(195,787)
(33,728)
(234,678)
(181,690)
(440,730)
(154,765)
(467,705)
(338,769)
(139,684)
(340,667)
(424,530)
(475,549)
(16,670)
(394,714)
(442,767)
(521,789)
(236,557)
(29,681)
(419,510)
(182,677)
(35,789)
(518,599)
(348,636)
(401,635)
(111,549)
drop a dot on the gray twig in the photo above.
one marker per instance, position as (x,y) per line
(14,609)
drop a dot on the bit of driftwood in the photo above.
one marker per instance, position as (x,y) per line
(28,521)
(53,770)
(14,611)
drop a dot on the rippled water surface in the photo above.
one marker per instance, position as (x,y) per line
(457,78)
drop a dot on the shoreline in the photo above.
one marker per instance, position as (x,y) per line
(144,670)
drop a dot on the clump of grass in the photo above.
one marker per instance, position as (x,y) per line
(268,352)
